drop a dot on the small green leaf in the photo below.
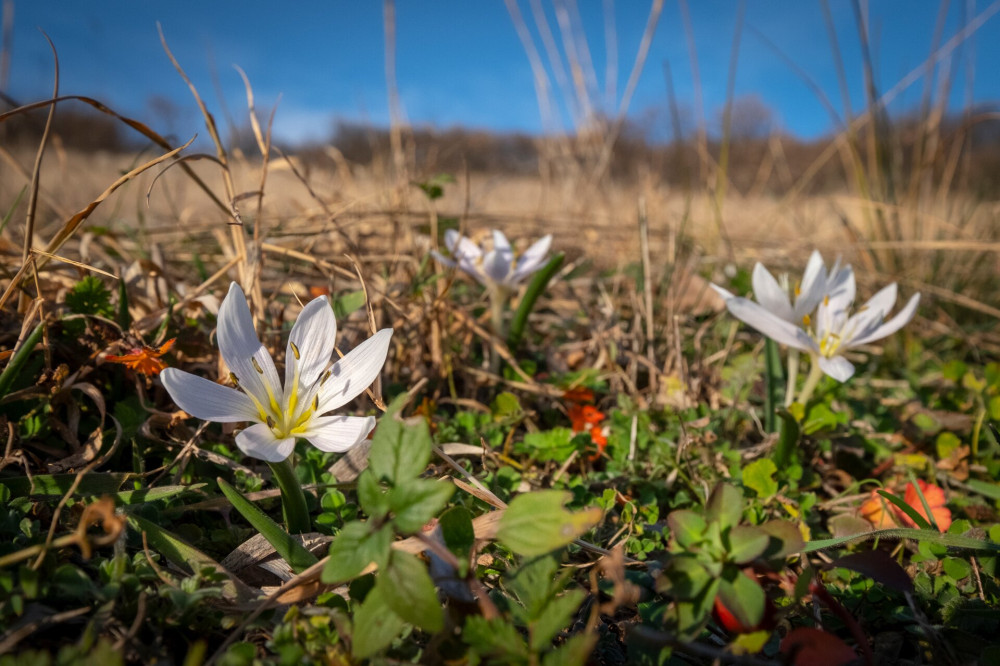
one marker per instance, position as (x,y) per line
(785,539)
(759,477)
(400,451)
(506,406)
(684,577)
(557,616)
(347,303)
(537,523)
(494,638)
(686,527)
(724,506)
(742,596)
(408,590)
(376,625)
(458,533)
(574,651)
(746,543)
(417,501)
(354,548)
(372,497)
(553,444)
(290,550)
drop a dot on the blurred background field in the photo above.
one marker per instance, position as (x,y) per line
(742,131)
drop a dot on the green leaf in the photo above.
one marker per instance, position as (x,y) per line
(408,590)
(458,533)
(354,548)
(991,490)
(20,358)
(759,477)
(923,536)
(187,557)
(774,383)
(785,539)
(554,444)
(742,596)
(290,550)
(400,451)
(684,577)
(506,406)
(746,543)
(376,625)
(347,303)
(557,616)
(724,506)
(686,527)
(494,638)
(535,289)
(417,501)
(373,498)
(820,418)
(919,520)
(534,584)
(144,495)
(788,437)
(537,523)
(573,652)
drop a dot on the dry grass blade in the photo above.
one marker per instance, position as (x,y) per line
(71,225)
(29,223)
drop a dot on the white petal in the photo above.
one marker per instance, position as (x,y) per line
(500,242)
(812,288)
(355,372)
(837,367)
(313,335)
(460,246)
(770,295)
(207,400)
(724,293)
(239,346)
(258,441)
(532,259)
(901,319)
(441,259)
(842,290)
(496,265)
(769,324)
(336,434)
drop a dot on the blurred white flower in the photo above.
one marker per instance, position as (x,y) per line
(816,283)
(833,330)
(497,267)
(282,414)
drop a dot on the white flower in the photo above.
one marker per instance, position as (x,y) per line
(834,330)
(815,285)
(310,390)
(498,266)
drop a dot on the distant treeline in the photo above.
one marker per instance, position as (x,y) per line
(962,152)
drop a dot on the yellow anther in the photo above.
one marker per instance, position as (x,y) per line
(826,300)
(315,402)
(270,422)
(326,376)
(234,379)
(256,366)
(295,349)
(806,319)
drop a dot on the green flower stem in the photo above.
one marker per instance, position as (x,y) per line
(293,500)
(815,374)
(793,376)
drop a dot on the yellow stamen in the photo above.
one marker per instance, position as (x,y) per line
(295,349)
(256,366)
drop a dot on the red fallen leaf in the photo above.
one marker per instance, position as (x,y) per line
(144,360)
(579,395)
(935,500)
(813,647)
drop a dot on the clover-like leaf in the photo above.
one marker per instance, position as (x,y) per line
(686,527)
(537,523)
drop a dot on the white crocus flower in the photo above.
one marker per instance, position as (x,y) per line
(815,285)
(283,413)
(497,267)
(834,330)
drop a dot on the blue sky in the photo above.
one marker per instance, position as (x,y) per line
(460,62)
